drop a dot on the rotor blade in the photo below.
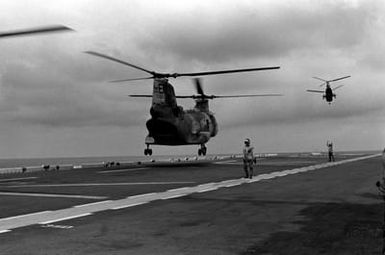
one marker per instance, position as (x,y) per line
(255,95)
(316,91)
(134,79)
(198,86)
(320,79)
(338,87)
(323,84)
(38,30)
(118,61)
(223,71)
(340,78)
(140,95)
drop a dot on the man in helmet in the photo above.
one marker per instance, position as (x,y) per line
(330,150)
(248,158)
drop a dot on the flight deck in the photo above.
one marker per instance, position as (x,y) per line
(190,208)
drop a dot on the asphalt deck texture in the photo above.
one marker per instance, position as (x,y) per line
(334,210)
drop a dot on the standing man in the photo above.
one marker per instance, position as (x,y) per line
(330,149)
(248,158)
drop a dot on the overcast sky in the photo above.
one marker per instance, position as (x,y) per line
(56,100)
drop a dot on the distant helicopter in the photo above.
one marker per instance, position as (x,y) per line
(328,93)
(37,30)
(169,123)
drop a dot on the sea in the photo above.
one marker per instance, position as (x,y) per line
(27,162)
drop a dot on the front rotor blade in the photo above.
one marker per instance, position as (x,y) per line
(134,79)
(118,61)
(223,72)
(340,78)
(319,79)
(140,95)
(38,30)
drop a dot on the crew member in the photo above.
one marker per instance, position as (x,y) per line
(248,158)
(330,149)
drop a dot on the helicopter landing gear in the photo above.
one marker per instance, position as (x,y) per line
(148,151)
(202,151)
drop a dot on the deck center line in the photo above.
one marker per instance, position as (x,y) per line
(18,179)
(70,213)
(48,195)
(122,170)
(97,184)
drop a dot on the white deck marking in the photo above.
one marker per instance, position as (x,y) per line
(128,205)
(4,231)
(91,204)
(18,179)
(65,218)
(98,184)
(48,217)
(48,195)
(122,170)
(57,226)
(22,216)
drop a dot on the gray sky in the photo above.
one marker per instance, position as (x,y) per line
(56,101)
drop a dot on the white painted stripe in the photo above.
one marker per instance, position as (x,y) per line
(128,205)
(65,218)
(91,204)
(122,170)
(22,216)
(48,195)
(179,189)
(98,184)
(174,196)
(4,231)
(206,190)
(142,195)
(18,179)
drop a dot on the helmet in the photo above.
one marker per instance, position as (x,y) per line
(247,140)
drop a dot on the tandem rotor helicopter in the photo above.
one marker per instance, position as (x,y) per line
(328,93)
(169,123)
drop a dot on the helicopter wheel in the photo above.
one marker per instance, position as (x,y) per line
(148,151)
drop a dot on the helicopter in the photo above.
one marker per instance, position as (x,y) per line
(328,93)
(171,125)
(37,30)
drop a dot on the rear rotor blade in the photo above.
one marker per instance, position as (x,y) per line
(340,78)
(338,87)
(223,71)
(315,91)
(198,86)
(38,30)
(134,79)
(118,61)
(255,95)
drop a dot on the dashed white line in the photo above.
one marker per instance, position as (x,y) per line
(98,184)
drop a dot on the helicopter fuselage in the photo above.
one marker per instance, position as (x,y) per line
(329,94)
(174,126)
